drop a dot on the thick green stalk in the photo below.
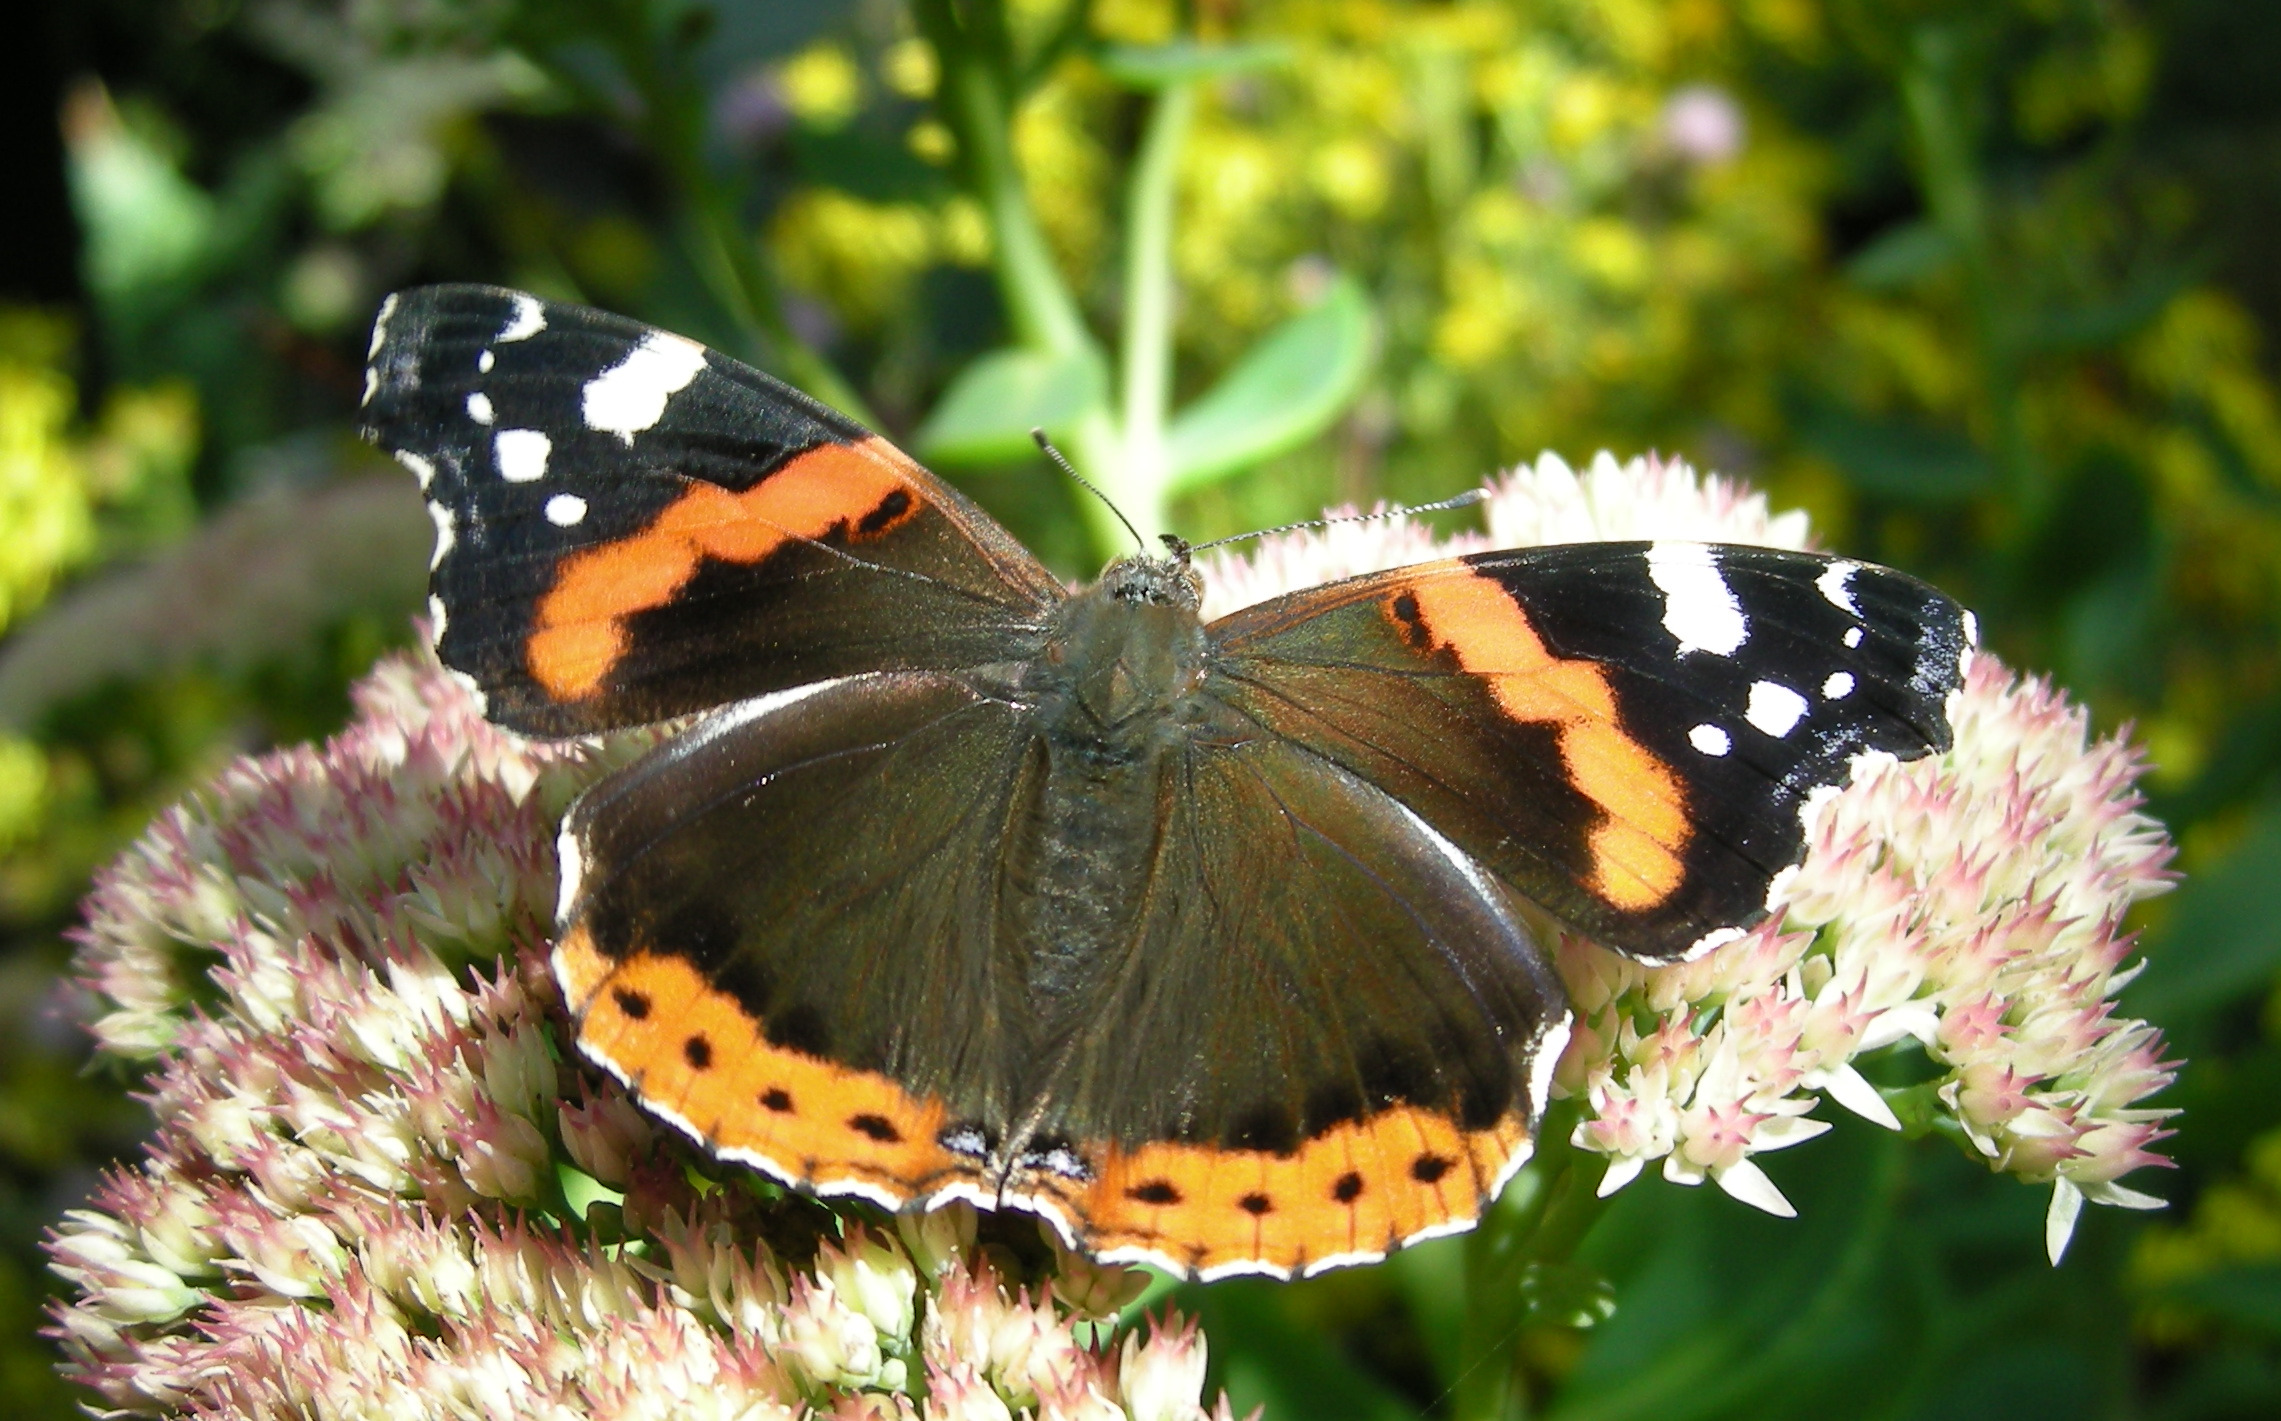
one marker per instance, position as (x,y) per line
(1144,473)
(1039,305)
(1541,1217)
(977,102)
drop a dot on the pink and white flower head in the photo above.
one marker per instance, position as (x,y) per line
(378,1187)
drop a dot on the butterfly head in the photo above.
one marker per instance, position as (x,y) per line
(1155,582)
(1128,649)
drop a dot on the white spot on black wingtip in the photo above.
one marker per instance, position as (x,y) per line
(1836,585)
(1710,740)
(631,395)
(527,319)
(1853,636)
(1699,608)
(479,407)
(1838,686)
(485,361)
(447,533)
(566,510)
(521,454)
(422,469)
(437,617)
(1971,625)
(380,327)
(1774,708)
(371,386)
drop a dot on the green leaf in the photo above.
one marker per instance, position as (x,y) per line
(1901,257)
(2099,324)
(1160,66)
(986,415)
(1283,392)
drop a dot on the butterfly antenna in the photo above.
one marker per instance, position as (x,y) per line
(1464,500)
(1087,484)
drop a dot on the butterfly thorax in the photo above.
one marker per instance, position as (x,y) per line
(1116,691)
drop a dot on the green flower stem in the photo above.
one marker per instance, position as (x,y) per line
(1039,305)
(1143,476)
(1541,1217)
(977,102)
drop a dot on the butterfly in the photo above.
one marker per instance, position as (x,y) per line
(1219,945)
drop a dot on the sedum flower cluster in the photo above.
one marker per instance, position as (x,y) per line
(1972,901)
(381,1186)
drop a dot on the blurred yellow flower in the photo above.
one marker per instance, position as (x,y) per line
(821,85)
(46,515)
(910,68)
(1351,174)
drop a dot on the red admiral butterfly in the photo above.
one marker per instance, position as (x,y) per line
(1208,942)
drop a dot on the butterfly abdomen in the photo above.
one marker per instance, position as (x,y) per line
(1116,693)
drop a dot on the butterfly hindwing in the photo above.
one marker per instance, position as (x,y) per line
(1627,733)
(783,929)
(1327,1035)
(631,527)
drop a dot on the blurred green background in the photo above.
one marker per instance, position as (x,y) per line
(1992,288)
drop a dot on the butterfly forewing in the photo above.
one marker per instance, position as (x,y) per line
(631,527)
(1627,733)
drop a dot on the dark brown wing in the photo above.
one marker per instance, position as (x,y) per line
(783,929)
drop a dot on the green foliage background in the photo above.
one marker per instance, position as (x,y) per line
(1988,286)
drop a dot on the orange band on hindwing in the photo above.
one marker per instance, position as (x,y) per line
(579,630)
(1357,1191)
(695,1055)
(1636,848)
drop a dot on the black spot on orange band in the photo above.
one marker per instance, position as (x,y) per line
(1360,1187)
(698,1057)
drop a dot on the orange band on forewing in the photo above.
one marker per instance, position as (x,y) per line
(580,625)
(694,1054)
(1636,851)
(1360,1188)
